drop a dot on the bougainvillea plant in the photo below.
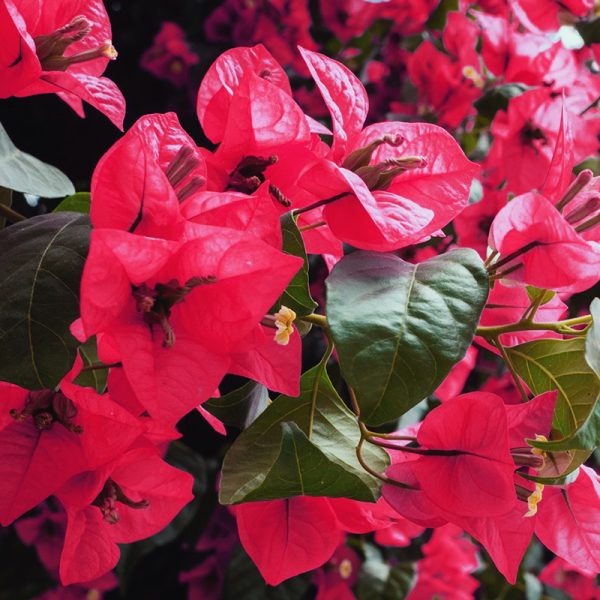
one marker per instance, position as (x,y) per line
(374,278)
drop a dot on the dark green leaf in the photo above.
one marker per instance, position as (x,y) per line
(497,98)
(589,31)
(79,202)
(41,261)
(22,172)
(437,20)
(274,457)
(94,378)
(244,582)
(552,364)
(241,407)
(399,328)
(297,295)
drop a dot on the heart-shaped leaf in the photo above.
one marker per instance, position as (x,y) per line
(22,172)
(41,261)
(561,365)
(280,455)
(399,328)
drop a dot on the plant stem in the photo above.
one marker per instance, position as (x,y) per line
(532,309)
(98,367)
(299,211)
(312,226)
(512,256)
(9,214)
(314,319)
(6,201)
(380,476)
(564,327)
(490,258)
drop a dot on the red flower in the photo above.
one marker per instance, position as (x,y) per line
(449,83)
(390,177)
(174,313)
(47,50)
(170,57)
(131,499)
(48,436)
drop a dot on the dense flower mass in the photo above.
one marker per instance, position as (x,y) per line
(430,177)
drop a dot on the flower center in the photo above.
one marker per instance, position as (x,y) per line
(50,48)
(155,303)
(107,500)
(46,408)
(249,174)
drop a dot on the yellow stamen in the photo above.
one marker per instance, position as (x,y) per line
(284,318)
(470,73)
(345,569)
(534,499)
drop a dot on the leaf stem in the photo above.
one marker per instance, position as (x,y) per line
(315,319)
(532,309)
(10,215)
(380,476)
(5,200)
(564,327)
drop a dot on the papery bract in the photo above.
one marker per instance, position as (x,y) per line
(287,537)
(131,499)
(60,51)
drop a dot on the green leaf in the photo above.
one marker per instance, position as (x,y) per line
(589,31)
(438,18)
(41,261)
(242,581)
(552,364)
(79,202)
(22,172)
(297,295)
(276,458)
(94,378)
(497,98)
(241,407)
(399,328)
(592,342)
(534,293)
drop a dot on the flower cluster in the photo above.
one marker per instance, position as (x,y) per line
(451,254)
